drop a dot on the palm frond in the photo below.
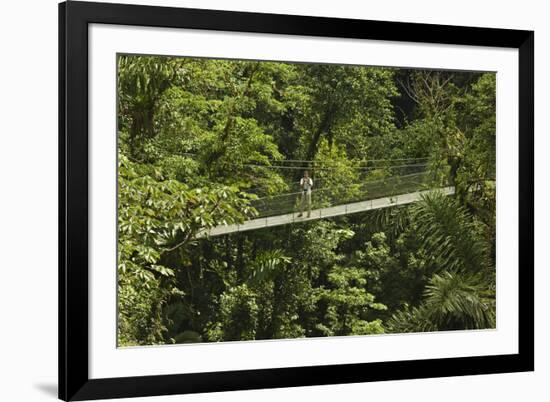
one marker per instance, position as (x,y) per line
(460,301)
(452,301)
(392,220)
(449,233)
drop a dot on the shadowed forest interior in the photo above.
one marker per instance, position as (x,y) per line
(205,145)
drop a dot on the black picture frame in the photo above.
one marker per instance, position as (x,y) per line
(74,381)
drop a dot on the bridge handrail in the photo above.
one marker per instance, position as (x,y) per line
(273,205)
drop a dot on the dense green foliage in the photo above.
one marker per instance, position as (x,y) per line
(200,140)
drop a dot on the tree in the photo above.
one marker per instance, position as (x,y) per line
(156,218)
(141,82)
(348,304)
(345,101)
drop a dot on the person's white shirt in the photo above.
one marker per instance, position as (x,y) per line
(306,184)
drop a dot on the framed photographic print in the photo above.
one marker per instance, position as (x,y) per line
(257,200)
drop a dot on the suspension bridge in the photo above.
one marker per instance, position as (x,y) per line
(402,184)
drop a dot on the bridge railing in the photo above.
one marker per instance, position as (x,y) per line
(334,195)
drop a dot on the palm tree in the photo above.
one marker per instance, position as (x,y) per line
(461,293)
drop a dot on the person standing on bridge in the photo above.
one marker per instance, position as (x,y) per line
(306,183)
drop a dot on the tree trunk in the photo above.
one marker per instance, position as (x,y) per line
(231,119)
(323,127)
(240,259)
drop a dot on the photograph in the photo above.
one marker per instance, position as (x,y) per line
(267,200)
